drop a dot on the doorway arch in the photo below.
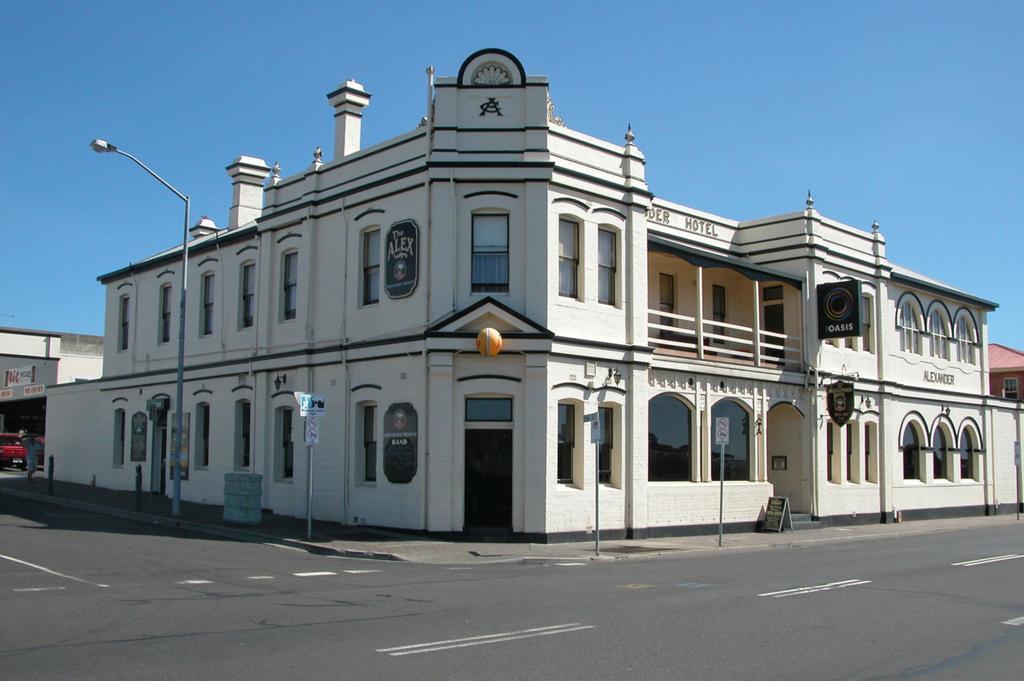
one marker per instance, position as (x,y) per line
(785,441)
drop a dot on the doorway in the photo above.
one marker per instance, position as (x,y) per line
(158,460)
(786,456)
(489,479)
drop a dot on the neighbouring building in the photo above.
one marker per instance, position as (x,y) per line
(30,361)
(367,278)
(1006,371)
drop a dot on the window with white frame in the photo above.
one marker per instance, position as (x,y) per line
(669,442)
(1010,391)
(939,458)
(737,451)
(163,334)
(606,443)
(247,296)
(119,437)
(938,325)
(911,446)
(490,253)
(606,266)
(965,340)
(568,258)
(206,307)
(566,442)
(368,442)
(202,435)
(910,328)
(968,456)
(289,285)
(243,434)
(832,456)
(122,323)
(371,267)
(284,446)
(870,459)
(852,468)
(867,315)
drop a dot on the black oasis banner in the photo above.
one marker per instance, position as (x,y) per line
(401,259)
(839,309)
(400,433)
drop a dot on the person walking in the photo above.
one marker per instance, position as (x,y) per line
(32,448)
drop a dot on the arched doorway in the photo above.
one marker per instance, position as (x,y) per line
(786,456)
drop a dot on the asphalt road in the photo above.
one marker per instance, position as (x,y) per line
(85,597)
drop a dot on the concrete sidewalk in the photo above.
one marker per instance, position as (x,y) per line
(374,543)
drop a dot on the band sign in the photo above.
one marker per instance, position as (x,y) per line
(839,309)
(400,435)
(400,260)
(840,402)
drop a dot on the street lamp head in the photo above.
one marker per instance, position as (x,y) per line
(101,146)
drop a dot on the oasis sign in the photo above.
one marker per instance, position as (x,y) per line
(400,260)
(839,309)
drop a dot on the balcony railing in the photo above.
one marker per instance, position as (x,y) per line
(681,335)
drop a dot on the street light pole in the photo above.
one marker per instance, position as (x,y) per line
(102,146)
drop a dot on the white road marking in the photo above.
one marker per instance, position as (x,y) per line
(53,572)
(814,589)
(569,564)
(195,581)
(359,572)
(282,546)
(435,646)
(1015,622)
(986,561)
(260,577)
(460,568)
(314,574)
(42,588)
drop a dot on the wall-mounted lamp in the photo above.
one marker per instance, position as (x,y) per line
(279,380)
(613,377)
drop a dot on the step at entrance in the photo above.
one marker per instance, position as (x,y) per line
(803,521)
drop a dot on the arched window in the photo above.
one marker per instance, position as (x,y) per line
(911,454)
(938,325)
(737,452)
(965,339)
(939,454)
(968,456)
(668,440)
(910,328)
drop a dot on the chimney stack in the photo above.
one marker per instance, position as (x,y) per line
(348,101)
(247,175)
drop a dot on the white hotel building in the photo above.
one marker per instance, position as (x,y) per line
(366,279)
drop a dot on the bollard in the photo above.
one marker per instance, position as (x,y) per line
(138,487)
(49,476)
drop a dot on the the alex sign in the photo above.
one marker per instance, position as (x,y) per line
(401,247)
(840,402)
(20,376)
(838,309)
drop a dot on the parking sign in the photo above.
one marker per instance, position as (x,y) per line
(721,430)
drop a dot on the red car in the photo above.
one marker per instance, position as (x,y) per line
(12,452)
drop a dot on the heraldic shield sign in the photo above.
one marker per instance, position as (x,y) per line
(840,402)
(400,260)
(400,433)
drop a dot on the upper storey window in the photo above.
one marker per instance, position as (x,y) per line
(490,253)
(938,325)
(606,265)
(371,267)
(568,258)
(247,303)
(164,332)
(122,323)
(290,285)
(965,340)
(910,328)
(206,313)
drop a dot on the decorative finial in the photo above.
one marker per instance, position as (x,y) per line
(874,227)
(810,200)
(552,118)
(629,134)
(275,174)
(423,122)
(318,155)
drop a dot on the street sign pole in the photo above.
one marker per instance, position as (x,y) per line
(311,406)
(595,437)
(309,496)
(721,439)
(1016,462)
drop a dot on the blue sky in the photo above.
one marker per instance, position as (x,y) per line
(905,112)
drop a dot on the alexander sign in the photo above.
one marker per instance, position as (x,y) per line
(936,377)
(401,259)
(839,309)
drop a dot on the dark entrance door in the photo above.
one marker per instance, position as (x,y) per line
(158,462)
(489,479)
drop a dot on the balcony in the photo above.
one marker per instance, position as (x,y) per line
(676,334)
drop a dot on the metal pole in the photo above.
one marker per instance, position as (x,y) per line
(597,495)
(180,388)
(721,490)
(309,497)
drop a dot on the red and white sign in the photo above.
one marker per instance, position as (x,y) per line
(34,390)
(6,394)
(20,376)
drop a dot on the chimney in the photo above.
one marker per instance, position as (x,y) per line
(204,227)
(348,102)
(247,176)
